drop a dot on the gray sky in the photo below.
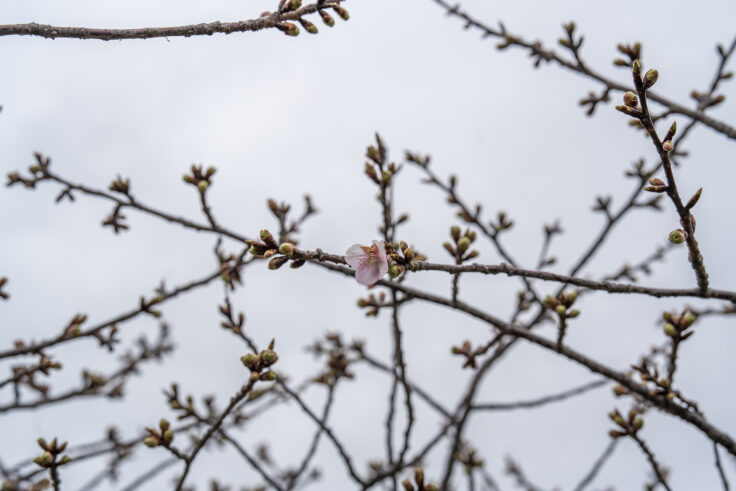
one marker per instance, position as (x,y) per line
(282,116)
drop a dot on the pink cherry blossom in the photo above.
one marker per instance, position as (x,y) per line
(369,262)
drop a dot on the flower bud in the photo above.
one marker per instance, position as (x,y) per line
(636,67)
(667,146)
(550,301)
(650,78)
(287,249)
(202,186)
(630,99)
(394,271)
(163,424)
(638,423)
(150,441)
(168,436)
(677,236)
(44,460)
(250,360)
(573,313)
(65,460)
(268,376)
(419,475)
(561,309)
(463,244)
(655,181)
(408,486)
(269,357)
(687,320)
(328,20)
(308,26)
(670,330)
(344,15)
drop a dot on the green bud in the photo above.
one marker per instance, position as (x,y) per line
(550,302)
(630,99)
(455,232)
(269,357)
(677,236)
(561,309)
(328,20)
(277,262)
(636,66)
(570,297)
(250,360)
(638,423)
(394,271)
(573,313)
(463,244)
(688,319)
(419,475)
(44,460)
(408,486)
(650,78)
(202,186)
(268,376)
(287,249)
(670,330)
(168,436)
(151,441)
(163,424)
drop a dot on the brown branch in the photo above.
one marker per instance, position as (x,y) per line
(266,22)
(534,403)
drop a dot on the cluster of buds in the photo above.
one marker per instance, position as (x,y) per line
(628,426)
(402,255)
(502,222)
(461,250)
(163,436)
(39,171)
(120,185)
(466,350)
(259,364)
(569,41)
(74,328)
(327,18)
(562,303)
(631,51)
(373,303)
(267,248)
(418,484)
(375,168)
(200,178)
(592,100)
(706,100)
(231,323)
(338,359)
(230,269)
(51,452)
(677,327)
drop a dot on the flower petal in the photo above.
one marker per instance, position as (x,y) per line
(353,255)
(367,274)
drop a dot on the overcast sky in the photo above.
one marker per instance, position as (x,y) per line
(280,117)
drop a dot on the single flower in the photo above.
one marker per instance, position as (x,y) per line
(369,262)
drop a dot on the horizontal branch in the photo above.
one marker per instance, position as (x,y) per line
(502,406)
(607,286)
(208,29)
